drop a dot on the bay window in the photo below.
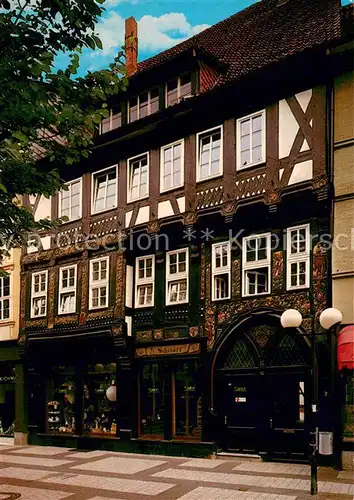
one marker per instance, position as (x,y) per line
(256,254)
(177,280)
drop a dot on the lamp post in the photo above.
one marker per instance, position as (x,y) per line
(329,318)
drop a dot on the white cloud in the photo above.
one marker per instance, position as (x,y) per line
(109,4)
(155,33)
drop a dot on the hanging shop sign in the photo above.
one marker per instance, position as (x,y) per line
(167,350)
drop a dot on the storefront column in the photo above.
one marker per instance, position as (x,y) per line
(126,399)
(21,405)
(167,370)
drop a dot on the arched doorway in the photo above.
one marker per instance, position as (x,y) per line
(262,388)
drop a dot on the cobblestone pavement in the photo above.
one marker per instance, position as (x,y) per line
(48,473)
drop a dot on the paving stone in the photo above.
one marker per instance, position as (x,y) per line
(203,463)
(40,450)
(35,493)
(295,469)
(41,462)
(26,474)
(346,474)
(120,465)
(89,454)
(202,493)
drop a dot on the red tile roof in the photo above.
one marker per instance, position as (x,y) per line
(264,33)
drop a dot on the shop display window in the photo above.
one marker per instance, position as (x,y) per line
(186,400)
(348,427)
(7,399)
(99,394)
(152,390)
(61,400)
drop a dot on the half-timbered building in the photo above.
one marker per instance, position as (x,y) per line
(151,317)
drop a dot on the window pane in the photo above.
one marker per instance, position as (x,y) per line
(143,105)
(133,110)
(105,125)
(245,157)
(256,139)
(257,123)
(245,127)
(256,154)
(168,154)
(245,142)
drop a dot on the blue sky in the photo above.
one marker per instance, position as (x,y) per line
(161,24)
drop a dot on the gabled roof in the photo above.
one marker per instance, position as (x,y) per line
(264,33)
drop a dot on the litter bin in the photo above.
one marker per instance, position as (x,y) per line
(325,443)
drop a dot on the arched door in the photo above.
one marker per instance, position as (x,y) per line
(262,391)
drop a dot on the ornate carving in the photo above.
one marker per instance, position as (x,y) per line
(64,320)
(251,186)
(105,226)
(236,278)
(153,226)
(158,334)
(120,284)
(202,271)
(210,197)
(277,272)
(189,218)
(193,331)
(261,334)
(143,336)
(320,181)
(272,197)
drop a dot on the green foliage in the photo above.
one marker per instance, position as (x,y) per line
(47,116)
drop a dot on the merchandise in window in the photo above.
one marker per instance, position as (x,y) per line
(7,399)
(256,264)
(61,400)
(138,186)
(298,257)
(100,399)
(99,282)
(144,279)
(70,200)
(172,166)
(251,140)
(67,290)
(209,154)
(177,269)
(5,297)
(105,190)
(221,271)
(186,400)
(151,400)
(39,294)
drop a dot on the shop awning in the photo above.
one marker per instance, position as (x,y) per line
(346,348)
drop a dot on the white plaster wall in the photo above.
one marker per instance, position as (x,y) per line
(304,98)
(302,172)
(182,204)
(6,332)
(129,322)
(288,128)
(44,207)
(143,215)
(164,209)
(129,286)
(128,217)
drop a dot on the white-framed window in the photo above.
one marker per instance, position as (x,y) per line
(298,257)
(177,277)
(104,190)
(67,289)
(114,120)
(5,297)
(172,166)
(70,200)
(138,177)
(178,88)
(99,283)
(251,140)
(256,257)
(143,105)
(221,271)
(209,153)
(144,281)
(39,294)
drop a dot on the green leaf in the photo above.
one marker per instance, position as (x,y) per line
(97,41)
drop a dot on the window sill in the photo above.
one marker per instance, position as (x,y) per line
(252,165)
(69,313)
(168,304)
(174,188)
(264,294)
(297,288)
(104,210)
(68,221)
(223,299)
(145,197)
(199,181)
(99,308)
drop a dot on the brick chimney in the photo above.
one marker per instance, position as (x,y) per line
(131,45)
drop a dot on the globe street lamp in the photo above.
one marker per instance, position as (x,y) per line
(291,318)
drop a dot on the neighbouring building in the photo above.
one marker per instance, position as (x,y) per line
(11,368)
(343,218)
(151,319)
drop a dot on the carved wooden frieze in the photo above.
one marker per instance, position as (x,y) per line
(254,185)
(207,198)
(119,309)
(277,272)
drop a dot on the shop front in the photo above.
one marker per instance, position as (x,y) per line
(11,408)
(74,388)
(171,388)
